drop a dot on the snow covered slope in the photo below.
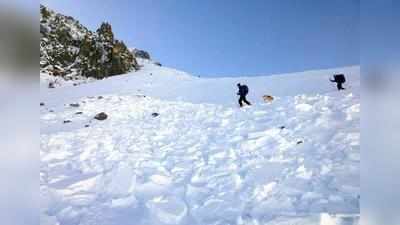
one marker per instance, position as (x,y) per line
(201,160)
(169,84)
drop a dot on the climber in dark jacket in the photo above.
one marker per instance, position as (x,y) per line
(243,91)
(339,79)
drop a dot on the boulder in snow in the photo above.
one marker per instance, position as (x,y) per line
(101,116)
(51,84)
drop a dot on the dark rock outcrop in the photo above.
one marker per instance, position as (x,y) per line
(101,116)
(141,54)
(69,49)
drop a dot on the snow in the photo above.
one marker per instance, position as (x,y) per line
(203,160)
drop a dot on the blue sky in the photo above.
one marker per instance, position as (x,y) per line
(230,37)
(380,33)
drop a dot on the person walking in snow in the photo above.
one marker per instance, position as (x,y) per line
(243,91)
(339,79)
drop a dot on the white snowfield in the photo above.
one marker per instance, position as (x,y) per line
(202,160)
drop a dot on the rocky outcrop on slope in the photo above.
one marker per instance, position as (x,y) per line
(143,57)
(140,54)
(70,50)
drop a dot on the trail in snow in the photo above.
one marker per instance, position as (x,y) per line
(197,163)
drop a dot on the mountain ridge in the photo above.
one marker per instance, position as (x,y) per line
(70,50)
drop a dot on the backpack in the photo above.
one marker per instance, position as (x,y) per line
(245,89)
(339,78)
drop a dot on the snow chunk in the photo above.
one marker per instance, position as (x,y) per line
(124,202)
(304,107)
(167,210)
(121,181)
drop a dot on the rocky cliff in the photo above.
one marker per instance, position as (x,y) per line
(70,50)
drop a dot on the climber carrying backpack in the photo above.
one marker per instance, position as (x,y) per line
(243,91)
(339,79)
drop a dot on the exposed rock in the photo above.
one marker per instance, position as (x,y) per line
(67,47)
(67,121)
(78,113)
(74,105)
(155,114)
(51,85)
(42,104)
(141,54)
(101,116)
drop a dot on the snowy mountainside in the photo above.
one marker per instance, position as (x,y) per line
(170,84)
(176,149)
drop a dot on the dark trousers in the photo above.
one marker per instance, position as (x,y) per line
(339,86)
(243,99)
